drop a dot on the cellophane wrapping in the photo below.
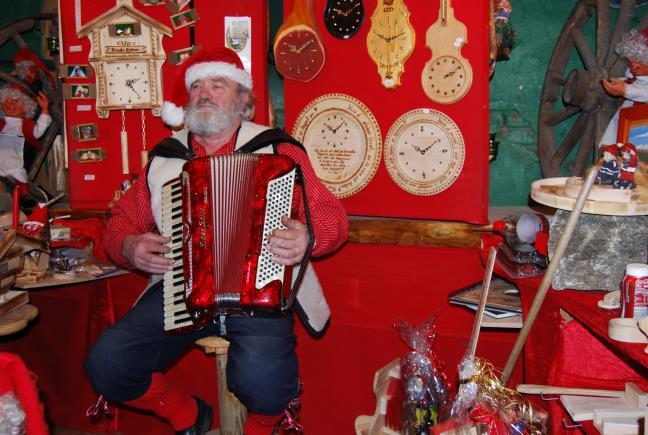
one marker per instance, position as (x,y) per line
(426,396)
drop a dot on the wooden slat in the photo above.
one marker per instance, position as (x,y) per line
(413,232)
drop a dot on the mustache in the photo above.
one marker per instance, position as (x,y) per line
(203,102)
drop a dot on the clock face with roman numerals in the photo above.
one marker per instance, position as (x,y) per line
(343,18)
(424,152)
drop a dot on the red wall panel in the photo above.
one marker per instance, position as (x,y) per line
(93,185)
(350,70)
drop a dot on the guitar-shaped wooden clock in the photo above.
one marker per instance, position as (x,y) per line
(447,76)
(390,40)
(298,50)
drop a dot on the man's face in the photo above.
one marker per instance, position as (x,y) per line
(638,68)
(214,105)
(13,107)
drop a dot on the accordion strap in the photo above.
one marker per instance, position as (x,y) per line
(273,136)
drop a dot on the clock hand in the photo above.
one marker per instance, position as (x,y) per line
(424,150)
(299,50)
(130,83)
(348,11)
(380,36)
(338,127)
(329,127)
(292,48)
(391,38)
(339,11)
(451,73)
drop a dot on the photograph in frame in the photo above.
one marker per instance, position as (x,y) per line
(76,71)
(78,91)
(176,6)
(89,155)
(85,132)
(633,128)
(184,19)
(177,57)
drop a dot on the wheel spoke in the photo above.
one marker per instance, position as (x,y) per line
(570,139)
(621,27)
(602,30)
(583,48)
(557,78)
(559,117)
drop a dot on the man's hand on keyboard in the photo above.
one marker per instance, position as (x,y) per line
(145,251)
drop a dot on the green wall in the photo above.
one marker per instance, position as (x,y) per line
(515,91)
(18,9)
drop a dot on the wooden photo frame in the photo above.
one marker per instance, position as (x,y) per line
(76,71)
(89,155)
(79,91)
(184,19)
(633,128)
(125,30)
(176,6)
(85,132)
(177,57)
(152,2)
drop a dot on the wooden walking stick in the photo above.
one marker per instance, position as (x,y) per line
(549,274)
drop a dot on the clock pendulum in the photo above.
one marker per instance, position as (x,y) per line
(144,152)
(124,144)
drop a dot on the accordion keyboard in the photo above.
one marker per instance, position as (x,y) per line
(175,311)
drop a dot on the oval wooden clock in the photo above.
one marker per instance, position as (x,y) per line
(298,50)
(424,152)
(390,40)
(447,76)
(343,18)
(343,141)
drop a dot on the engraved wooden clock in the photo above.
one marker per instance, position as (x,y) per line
(343,18)
(447,76)
(343,141)
(127,55)
(390,40)
(424,152)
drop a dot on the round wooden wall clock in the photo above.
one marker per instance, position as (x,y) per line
(343,141)
(424,152)
(343,17)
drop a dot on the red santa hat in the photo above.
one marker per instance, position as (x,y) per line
(612,149)
(630,149)
(221,62)
(634,45)
(27,59)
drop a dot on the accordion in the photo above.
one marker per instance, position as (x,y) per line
(219,214)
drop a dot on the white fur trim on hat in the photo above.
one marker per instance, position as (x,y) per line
(217,69)
(171,114)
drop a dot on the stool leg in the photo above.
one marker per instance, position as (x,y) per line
(231,412)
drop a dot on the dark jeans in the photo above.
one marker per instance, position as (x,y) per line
(262,364)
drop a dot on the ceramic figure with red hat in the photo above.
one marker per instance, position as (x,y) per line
(634,86)
(28,68)
(211,107)
(609,172)
(18,128)
(628,167)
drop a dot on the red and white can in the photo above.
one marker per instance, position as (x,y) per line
(634,291)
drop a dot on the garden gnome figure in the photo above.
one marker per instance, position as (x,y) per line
(628,167)
(609,172)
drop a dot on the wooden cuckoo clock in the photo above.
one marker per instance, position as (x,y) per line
(127,55)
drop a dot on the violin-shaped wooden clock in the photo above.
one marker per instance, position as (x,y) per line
(390,40)
(343,17)
(447,76)
(298,50)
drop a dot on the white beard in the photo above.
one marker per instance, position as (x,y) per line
(206,119)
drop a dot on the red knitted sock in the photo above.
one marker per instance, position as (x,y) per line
(257,424)
(178,407)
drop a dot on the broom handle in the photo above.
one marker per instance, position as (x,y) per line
(549,274)
(472,346)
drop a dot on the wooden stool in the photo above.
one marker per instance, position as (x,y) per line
(231,412)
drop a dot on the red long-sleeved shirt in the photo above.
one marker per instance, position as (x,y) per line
(132,214)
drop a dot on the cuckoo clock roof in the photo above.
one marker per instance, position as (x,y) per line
(121,9)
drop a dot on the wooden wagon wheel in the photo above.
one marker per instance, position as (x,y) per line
(574,108)
(13,31)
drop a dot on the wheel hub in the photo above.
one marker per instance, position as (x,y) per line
(583,89)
